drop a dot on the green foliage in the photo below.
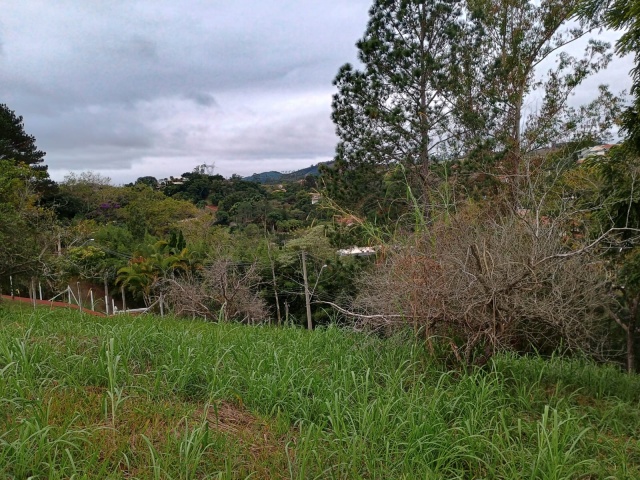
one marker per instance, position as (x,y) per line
(149,211)
(623,15)
(148,181)
(138,208)
(458,94)
(619,208)
(24,226)
(500,73)
(313,240)
(87,195)
(153,263)
(15,144)
(396,110)
(618,193)
(197,187)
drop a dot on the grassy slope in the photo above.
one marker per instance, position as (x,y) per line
(150,398)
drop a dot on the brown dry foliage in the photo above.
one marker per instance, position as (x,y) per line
(487,285)
(222,286)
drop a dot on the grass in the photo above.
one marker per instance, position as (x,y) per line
(124,397)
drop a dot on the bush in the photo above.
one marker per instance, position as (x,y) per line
(486,285)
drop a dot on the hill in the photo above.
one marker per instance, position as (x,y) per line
(145,397)
(278,177)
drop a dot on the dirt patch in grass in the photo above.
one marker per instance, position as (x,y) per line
(244,443)
(263,451)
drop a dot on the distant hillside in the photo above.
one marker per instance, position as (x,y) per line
(265,177)
(277,177)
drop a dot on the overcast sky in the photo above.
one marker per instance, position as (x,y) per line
(130,88)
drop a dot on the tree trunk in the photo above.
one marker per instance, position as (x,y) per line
(424,126)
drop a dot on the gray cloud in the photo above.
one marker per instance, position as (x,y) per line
(126,85)
(137,48)
(95,126)
(305,136)
(202,98)
(90,54)
(112,85)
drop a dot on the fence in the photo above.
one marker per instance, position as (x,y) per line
(75,301)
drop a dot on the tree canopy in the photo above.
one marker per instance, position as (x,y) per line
(622,15)
(15,144)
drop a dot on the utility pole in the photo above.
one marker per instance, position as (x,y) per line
(307,298)
(106,296)
(79,296)
(275,283)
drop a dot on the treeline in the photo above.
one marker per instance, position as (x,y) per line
(209,246)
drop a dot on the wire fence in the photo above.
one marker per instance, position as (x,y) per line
(73,298)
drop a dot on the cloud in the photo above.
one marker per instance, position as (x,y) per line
(148,49)
(203,99)
(114,85)
(99,126)
(126,85)
(239,135)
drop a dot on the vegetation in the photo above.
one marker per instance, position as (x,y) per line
(489,235)
(147,397)
(502,263)
(15,144)
(621,15)
(491,245)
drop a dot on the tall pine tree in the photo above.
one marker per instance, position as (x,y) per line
(398,108)
(15,144)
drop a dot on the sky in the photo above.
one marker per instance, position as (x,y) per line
(130,88)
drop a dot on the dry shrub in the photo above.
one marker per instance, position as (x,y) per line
(485,286)
(222,289)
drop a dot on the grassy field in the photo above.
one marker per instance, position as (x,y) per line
(124,397)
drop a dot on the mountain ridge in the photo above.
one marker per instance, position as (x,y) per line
(273,176)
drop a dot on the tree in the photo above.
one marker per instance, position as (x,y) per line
(146,271)
(627,295)
(621,15)
(616,205)
(222,290)
(82,195)
(515,38)
(148,180)
(24,226)
(398,108)
(490,285)
(149,211)
(451,79)
(524,278)
(15,144)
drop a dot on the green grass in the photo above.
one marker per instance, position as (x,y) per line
(124,397)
